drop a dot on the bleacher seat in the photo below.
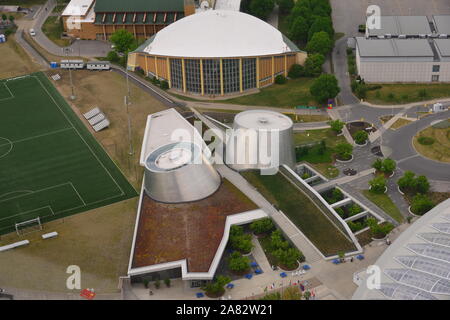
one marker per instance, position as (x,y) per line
(91,113)
(94,120)
(101,125)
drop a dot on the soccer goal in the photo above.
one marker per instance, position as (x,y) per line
(28,226)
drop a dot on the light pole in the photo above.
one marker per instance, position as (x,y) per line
(66,51)
(127,104)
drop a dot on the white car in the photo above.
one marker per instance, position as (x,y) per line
(32,33)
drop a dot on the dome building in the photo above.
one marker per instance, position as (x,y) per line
(217,52)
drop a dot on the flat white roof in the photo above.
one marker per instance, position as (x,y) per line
(233,5)
(164,128)
(402,25)
(263,119)
(77,7)
(394,47)
(442,23)
(218,33)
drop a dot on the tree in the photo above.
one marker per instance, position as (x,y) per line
(261,8)
(216,287)
(421,184)
(336,125)
(262,226)
(407,182)
(285,5)
(320,43)
(313,64)
(321,24)
(378,184)
(298,29)
(112,56)
(377,230)
(378,165)
(11,19)
(325,87)
(344,151)
(389,165)
(421,204)
(123,41)
(296,71)
(238,263)
(277,241)
(288,257)
(4,17)
(361,137)
(239,240)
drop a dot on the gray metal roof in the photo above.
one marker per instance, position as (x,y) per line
(402,25)
(442,24)
(394,47)
(443,46)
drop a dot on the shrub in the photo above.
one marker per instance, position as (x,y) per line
(262,226)
(354,209)
(426,141)
(407,182)
(164,85)
(421,184)
(216,287)
(356,226)
(378,164)
(288,257)
(238,263)
(157,284)
(296,71)
(306,175)
(313,65)
(167,282)
(336,195)
(379,231)
(145,282)
(361,137)
(389,165)
(336,125)
(112,56)
(378,184)
(344,151)
(421,204)
(361,90)
(280,79)
(340,212)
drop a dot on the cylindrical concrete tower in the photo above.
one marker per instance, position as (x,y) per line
(261,139)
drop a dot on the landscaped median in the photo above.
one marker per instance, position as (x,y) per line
(434,141)
(303,212)
(384,202)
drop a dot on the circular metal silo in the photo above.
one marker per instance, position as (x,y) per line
(179,172)
(260,139)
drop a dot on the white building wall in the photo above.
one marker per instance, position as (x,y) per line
(397,71)
(444,73)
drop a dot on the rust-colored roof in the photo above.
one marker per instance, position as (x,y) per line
(192,231)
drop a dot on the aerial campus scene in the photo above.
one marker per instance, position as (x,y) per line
(200,150)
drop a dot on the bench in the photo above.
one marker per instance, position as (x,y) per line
(14,245)
(50,235)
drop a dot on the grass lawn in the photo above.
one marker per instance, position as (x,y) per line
(384,202)
(321,162)
(400,123)
(50,165)
(293,93)
(15,61)
(98,241)
(440,149)
(301,211)
(53,29)
(406,93)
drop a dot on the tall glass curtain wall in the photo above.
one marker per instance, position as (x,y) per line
(211,75)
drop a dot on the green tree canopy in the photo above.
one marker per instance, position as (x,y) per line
(320,42)
(321,24)
(298,29)
(313,64)
(261,8)
(325,87)
(123,40)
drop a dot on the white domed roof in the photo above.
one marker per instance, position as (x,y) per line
(219,33)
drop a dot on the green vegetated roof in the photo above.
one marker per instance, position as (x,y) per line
(139,6)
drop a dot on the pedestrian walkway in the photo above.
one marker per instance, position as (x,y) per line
(324,186)
(260,256)
(334,115)
(377,134)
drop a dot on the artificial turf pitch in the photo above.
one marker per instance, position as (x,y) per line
(50,164)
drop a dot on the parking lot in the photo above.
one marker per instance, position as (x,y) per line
(348,14)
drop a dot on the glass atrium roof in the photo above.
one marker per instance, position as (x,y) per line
(442,227)
(428,265)
(419,280)
(436,238)
(397,291)
(430,250)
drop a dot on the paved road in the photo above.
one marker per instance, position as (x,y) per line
(84,48)
(400,143)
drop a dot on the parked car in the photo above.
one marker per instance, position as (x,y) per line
(32,33)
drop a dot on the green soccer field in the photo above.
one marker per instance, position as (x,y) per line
(50,164)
